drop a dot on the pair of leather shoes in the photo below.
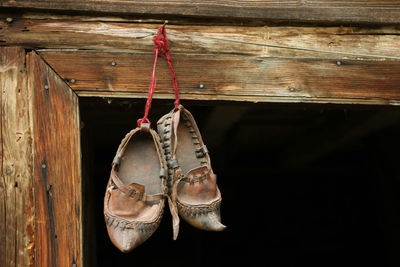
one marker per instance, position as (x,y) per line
(150,168)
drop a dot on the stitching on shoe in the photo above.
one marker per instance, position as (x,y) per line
(195,139)
(198,209)
(115,221)
(166,128)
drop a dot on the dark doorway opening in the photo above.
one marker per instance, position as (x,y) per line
(302,185)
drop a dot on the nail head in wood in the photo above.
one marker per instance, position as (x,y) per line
(72,80)
(8,170)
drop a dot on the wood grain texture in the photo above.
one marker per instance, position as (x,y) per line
(366,11)
(57,168)
(273,41)
(17,240)
(241,78)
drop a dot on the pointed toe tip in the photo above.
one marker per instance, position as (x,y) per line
(124,249)
(210,221)
(216,226)
(125,240)
(221,227)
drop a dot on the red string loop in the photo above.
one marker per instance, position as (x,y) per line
(143,120)
(161,47)
(165,51)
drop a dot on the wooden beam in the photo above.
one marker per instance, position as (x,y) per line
(369,11)
(382,43)
(17,226)
(56,167)
(212,77)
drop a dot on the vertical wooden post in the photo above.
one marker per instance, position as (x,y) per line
(17,239)
(56,167)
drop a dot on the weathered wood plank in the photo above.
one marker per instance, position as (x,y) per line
(57,168)
(361,11)
(211,77)
(16,185)
(272,41)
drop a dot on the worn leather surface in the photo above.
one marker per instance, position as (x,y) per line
(133,210)
(132,206)
(199,188)
(192,184)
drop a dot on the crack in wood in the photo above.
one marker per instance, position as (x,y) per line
(4,183)
(16,207)
(306,49)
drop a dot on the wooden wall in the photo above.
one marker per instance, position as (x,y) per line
(265,51)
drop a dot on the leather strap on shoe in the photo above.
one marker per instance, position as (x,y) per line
(120,151)
(175,218)
(172,200)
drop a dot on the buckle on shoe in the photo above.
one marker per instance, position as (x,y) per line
(163,173)
(173,164)
(201,152)
(116,162)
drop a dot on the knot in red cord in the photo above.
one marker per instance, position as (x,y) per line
(161,44)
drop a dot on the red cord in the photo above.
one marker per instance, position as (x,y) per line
(161,48)
(169,61)
(151,92)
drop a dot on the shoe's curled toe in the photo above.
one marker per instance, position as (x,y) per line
(199,199)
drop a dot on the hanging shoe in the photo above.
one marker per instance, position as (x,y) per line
(136,191)
(191,181)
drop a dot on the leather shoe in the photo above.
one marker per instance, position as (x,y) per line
(136,191)
(191,181)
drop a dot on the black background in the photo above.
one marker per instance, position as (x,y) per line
(302,185)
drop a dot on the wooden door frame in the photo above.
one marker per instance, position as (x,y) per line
(41,158)
(40,188)
(56,166)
